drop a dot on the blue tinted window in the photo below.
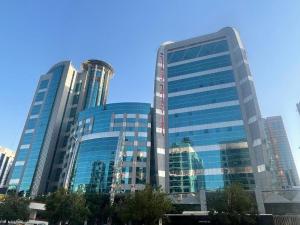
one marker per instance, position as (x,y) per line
(203,98)
(93,91)
(198,66)
(22,154)
(40,96)
(27,138)
(225,158)
(17,172)
(98,73)
(131,120)
(198,51)
(209,136)
(78,86)
(43,84)
(75,99)
(205,116)
(36,109)
(94,165)
(201,81)
(73,112)
(69,125)
(31,123)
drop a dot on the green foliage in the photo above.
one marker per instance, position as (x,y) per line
(232,206)
(14,208)
(99,207)
(179,208)
(65,207)
(144,207)
(40,198)
(115,209)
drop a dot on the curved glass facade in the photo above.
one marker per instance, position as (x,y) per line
(99,74)
(113,147)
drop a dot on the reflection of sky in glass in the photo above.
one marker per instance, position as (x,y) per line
(110,162)
(205,121)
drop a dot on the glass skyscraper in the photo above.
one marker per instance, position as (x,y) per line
(204,131)
(61,93)
(207,124)
(73,138)
(286,175)
(89,89)
(38,142)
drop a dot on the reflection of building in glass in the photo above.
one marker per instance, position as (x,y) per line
(204,91)
(70,129)
(113,142)
(285,169)
(185,167)
(97,177)
(61,93)
(204,132)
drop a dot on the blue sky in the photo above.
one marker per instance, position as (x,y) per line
(34,35)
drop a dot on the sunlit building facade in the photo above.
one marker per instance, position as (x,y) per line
(73,139)
(89,89)
(286,175)
(205,98)
(111,146)
(60,95)
(38,141)
(6,159)
(204,131)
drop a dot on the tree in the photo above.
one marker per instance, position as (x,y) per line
(79,210)
(144,207)
(14,208)
(232,206)
(65,207)
(99,207)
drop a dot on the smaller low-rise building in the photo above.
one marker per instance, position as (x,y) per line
(6,159)
(110,149)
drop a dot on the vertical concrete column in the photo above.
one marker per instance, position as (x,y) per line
(202,196)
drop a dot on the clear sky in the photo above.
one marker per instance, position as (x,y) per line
(34,35)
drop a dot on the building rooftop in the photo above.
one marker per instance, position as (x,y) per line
(8,152)
(97,62)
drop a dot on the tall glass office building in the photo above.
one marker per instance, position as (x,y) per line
(72,137)
(89,89)
(38,142)
(204,131)
(61,94)
(286,175)
(207,124)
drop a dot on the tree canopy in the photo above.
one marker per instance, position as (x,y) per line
(99,207)
(65,207)
(232,206)
(144,207)
(14,208)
